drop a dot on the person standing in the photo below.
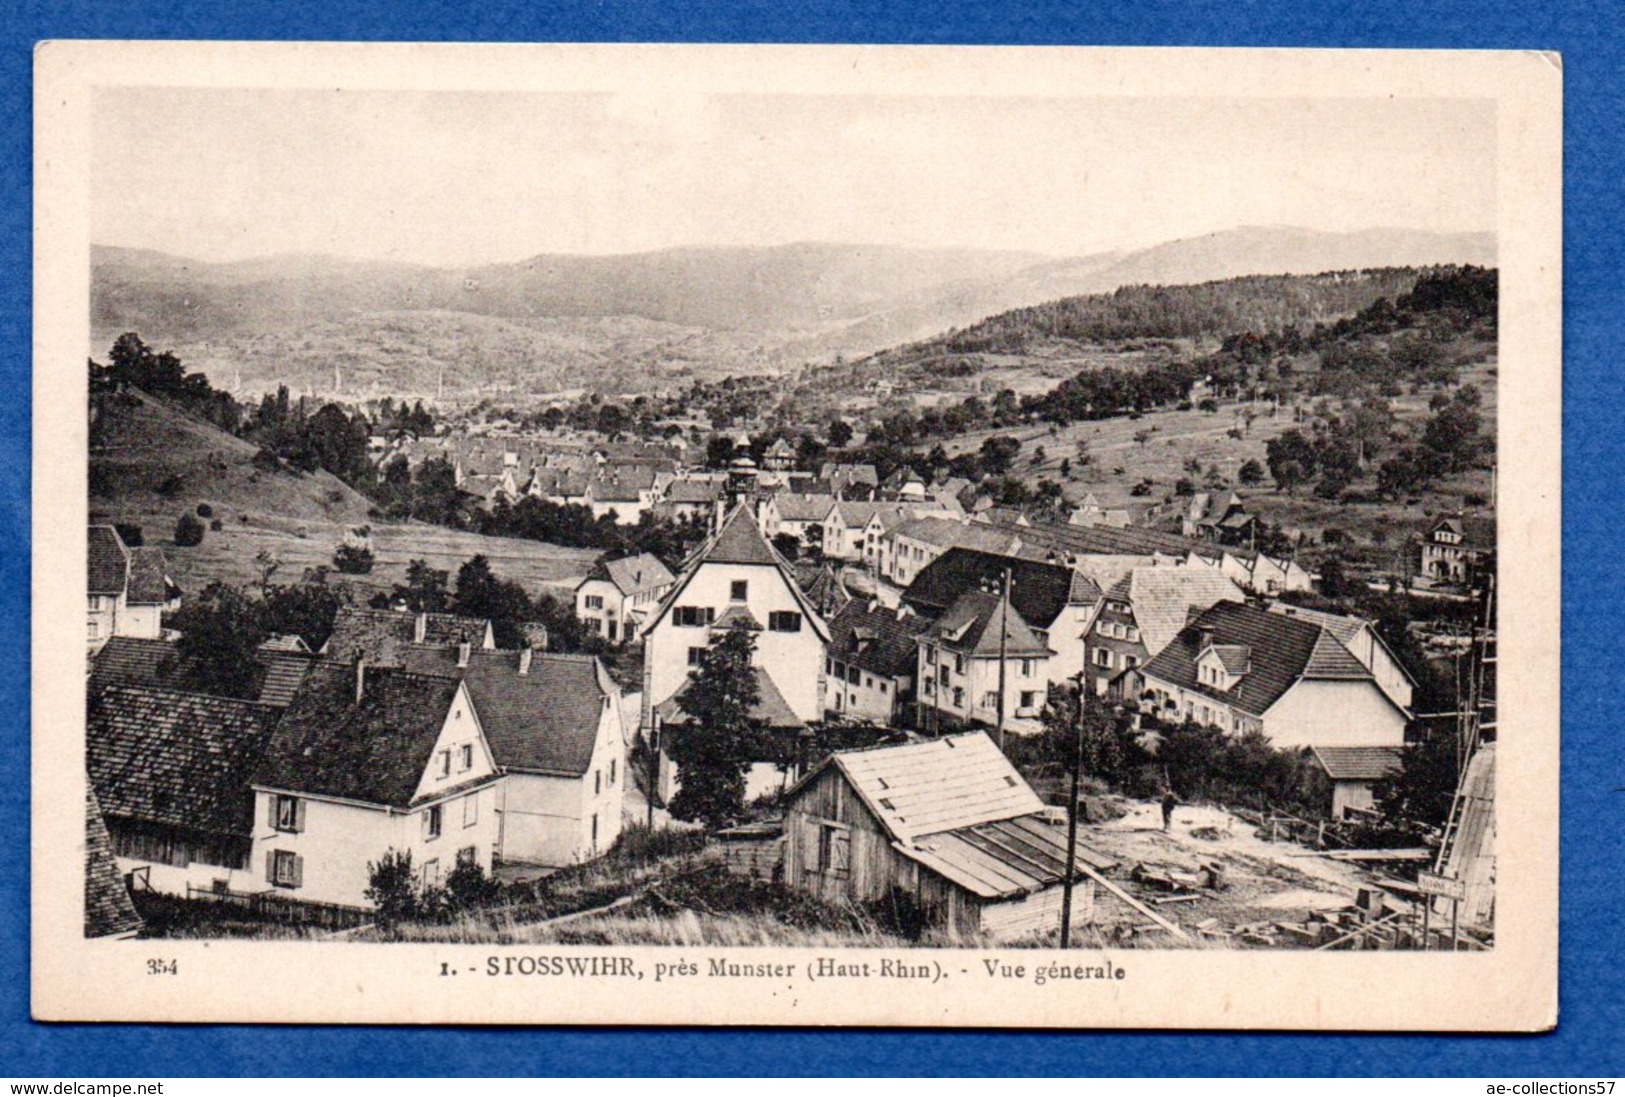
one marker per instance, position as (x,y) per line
(1169,802)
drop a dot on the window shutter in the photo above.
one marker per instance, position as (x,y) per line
(842,851)
(270,863)
(298,871)
(270,811)
(299,815)
(425,818)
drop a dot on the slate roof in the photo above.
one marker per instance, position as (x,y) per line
(633,574)
(971,625)
(1283,651)
(1004,859)
(374,752)
(1164,596)
(876,639)
(770,709)
(149,581)
(1039,590)
(176,759)
(108,909)
(1359,763)
(930,787)
(822,587)
(137,661)
(109,562)
(384,636)
(543,721)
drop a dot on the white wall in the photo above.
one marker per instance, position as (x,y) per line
(613,608)
(1329,713)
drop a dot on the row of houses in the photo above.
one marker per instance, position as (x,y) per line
(408,732)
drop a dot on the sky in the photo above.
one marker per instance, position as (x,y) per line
(460,179)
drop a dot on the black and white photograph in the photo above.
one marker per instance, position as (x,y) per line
(914,530)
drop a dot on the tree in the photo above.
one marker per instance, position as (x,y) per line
(715,748)
(999,453)
(1251,472)
(425,589)
(221,631)
(392,888)
(840,433)
(505,604)
(188,531)
(1425,785)
(353,559)
(306,609)
(1291,459)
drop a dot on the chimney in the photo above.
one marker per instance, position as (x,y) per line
(1204,637)
(420,628)
(360,678)
(463,650)
(535,635)
(524,660)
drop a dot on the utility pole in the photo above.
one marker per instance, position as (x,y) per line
(1004,620)
(1070,871)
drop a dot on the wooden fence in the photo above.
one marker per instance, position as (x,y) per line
(274,906)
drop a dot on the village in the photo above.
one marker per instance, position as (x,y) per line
(798,699)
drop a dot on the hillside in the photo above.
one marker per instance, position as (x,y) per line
(149,463)
(629,322)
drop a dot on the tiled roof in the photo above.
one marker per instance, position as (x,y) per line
(934,786)
(542,721)
(109,564)
(822,587)
(108,909)
(1164,596)
(1039,590)
(947,533)
(1004,859)
(849,474)
(876,638)
(971,625)
(1359,763)
(693,491)
(1282,651)
(176,759)
(623,483)
(149,581)
(383,636)
(740,541)
(374,752)
(1340,626)
(633,574)
(793,506)
(1235,658)
(1111,541)
(137,661)
(770,709)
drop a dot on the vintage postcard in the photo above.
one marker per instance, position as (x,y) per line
(742,535)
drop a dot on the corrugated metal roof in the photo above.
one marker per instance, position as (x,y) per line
(1003,859)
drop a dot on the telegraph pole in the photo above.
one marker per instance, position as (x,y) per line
(1004,634)
(1070,871)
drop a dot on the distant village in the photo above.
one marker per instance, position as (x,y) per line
(908,640)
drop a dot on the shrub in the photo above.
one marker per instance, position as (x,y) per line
(217,525)
(392,888)
(1209,405)
(353,559)
(1474,499)
(130,534)
(204,510)
(188,531)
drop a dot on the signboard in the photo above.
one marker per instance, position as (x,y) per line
(1446,887)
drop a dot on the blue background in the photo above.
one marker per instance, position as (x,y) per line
(1590,1038)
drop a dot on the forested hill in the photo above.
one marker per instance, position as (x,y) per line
(1257,303)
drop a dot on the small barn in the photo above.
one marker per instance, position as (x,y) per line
(948,822)
(1354,773)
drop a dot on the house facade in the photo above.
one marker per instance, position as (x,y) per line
(959,668)
(1142,612)
(1454,549)
(872,662)
(368,760)
(1360,636)
(617,595)
(1243,669)
(128,589)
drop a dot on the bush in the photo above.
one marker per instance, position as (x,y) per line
(392,888)
(188,531)
(204,510)
(217,525)
(353,559)
(1209,405)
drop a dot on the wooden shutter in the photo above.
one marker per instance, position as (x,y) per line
(299,815)
(298,871)
(270,813)
(270,857)
(841,850)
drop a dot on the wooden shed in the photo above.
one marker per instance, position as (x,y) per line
(946,821)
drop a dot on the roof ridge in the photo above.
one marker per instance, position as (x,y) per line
(133,687)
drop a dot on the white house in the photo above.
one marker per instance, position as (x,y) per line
(1143,611)
(364,761)
(872,661)
(128,589)
(1360,636)
(958,669)
(909,547)
(1240,668)
(553,725)
(617,595)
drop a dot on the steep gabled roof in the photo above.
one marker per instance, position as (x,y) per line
(138,661)
(149,578)
(876,639)
(108,909)
(109,562)
(822,586)
(374,752)
(543,721)
(972,626)
(176,759)
(1283,651)
(938,785)
(947,533)
(1163,598)
(794,506)
(1347,629)
(633,574)
(1039,590)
